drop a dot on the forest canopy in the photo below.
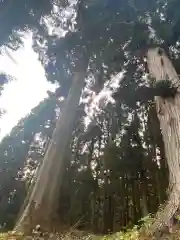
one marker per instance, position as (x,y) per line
(116,64)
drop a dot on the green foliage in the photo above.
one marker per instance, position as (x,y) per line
(146,222)
(21,16)
(131,234)
(165,89)
(103,197)
(14,151)
(109,183)
(135,233)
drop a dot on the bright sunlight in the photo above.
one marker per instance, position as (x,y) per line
(27,89)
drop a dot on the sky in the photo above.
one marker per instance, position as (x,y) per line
(28,87)
(30,84)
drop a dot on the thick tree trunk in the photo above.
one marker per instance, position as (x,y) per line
(168,111)
(43,201)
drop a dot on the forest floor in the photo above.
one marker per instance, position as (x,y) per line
(131,234)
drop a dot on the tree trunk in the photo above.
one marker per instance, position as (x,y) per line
(42,205)
(168,111)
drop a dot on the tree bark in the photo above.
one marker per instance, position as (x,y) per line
(144,205)
(168,111)
(43,201)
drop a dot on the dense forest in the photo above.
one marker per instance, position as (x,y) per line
(101,153)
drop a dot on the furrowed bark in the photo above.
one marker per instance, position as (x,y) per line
(168,111)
